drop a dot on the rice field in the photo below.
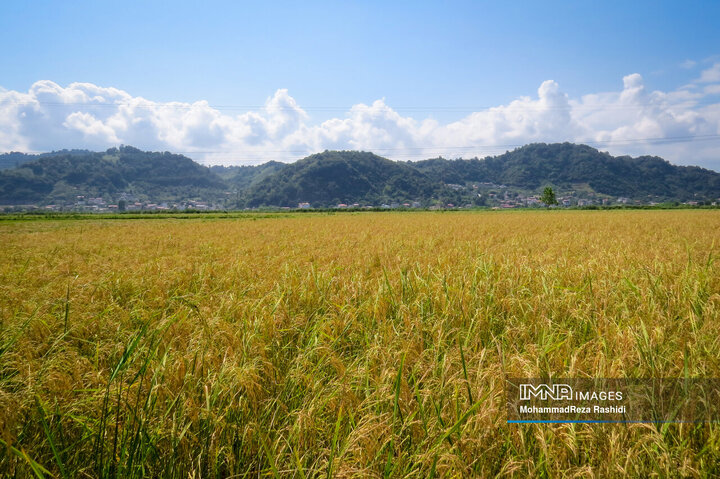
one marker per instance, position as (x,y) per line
(348,345)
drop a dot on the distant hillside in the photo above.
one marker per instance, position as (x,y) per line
(335,177)
(565,165)
(62,177)
(242,177)
(14,158)
(327,179)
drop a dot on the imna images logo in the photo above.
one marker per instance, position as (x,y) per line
(556,392)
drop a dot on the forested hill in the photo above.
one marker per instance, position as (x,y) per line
(15,159)
(334,177)
(566,165)
(61,177)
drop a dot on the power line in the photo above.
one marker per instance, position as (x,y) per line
(508,145)
(414,151)
(440,109)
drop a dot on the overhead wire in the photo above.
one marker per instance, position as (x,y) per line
(147,104)
(416,152)
(423,152)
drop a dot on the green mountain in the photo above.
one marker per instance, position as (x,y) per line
(15,159)
(334,177)
(566,165)
(152,176)
(242,177)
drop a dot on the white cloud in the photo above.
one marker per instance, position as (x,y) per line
(547,118)
(90,127)
(678,125)
(710,75)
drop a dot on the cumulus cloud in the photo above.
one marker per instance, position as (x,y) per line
(548,118)
(710,75)
(635,114)
(682,125)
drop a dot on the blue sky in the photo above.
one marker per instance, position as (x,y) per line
(431,65)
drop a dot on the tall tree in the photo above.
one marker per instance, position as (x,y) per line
(548,196)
